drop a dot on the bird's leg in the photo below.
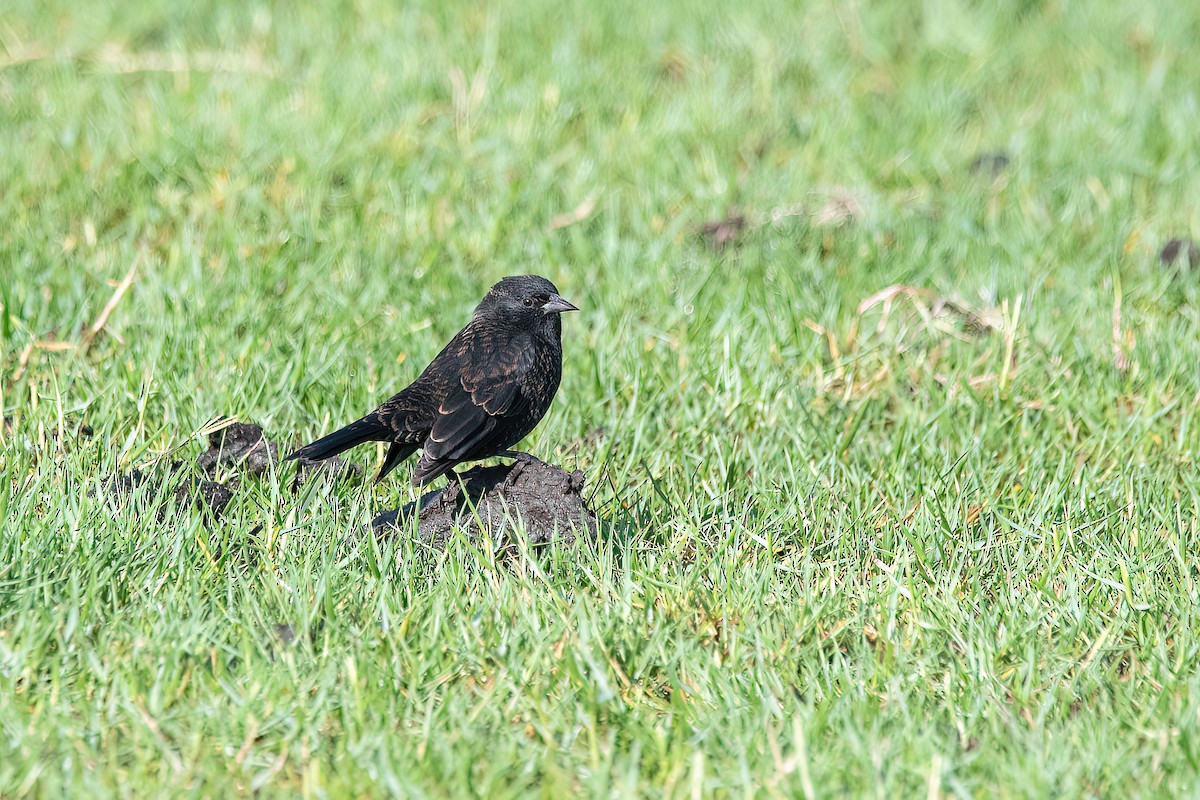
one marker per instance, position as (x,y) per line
(521,460)
(453,488)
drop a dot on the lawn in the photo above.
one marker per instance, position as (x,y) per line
(898,475)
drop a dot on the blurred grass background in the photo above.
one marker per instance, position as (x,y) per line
(940,548)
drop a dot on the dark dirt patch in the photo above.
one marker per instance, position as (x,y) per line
(990,163)
(547,500)
(1183,251)
(210,497)
(721,233)
(241,445)
(244,446)
(121,486)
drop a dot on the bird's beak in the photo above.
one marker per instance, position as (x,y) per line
(556,305)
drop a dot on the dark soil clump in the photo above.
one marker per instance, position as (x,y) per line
(209,497)
(1183,251)
(546,502)
(990,163)
(239,445)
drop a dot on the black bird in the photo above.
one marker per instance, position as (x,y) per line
(487,389)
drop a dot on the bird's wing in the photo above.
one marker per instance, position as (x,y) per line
(402,414)
(489,387)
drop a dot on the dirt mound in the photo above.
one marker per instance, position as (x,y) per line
(542,499)
(242,444)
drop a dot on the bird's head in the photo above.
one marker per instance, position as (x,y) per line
(527,302)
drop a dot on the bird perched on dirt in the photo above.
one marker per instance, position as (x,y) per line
(486,390)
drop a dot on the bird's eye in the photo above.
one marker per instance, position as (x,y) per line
(529,302)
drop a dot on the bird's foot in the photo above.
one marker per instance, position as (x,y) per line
(454,487)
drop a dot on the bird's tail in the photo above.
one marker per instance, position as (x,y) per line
(367,429)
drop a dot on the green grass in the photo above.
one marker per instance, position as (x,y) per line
(848,554)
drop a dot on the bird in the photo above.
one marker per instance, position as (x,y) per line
(484,392)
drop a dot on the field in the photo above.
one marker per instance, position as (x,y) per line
(897,461)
